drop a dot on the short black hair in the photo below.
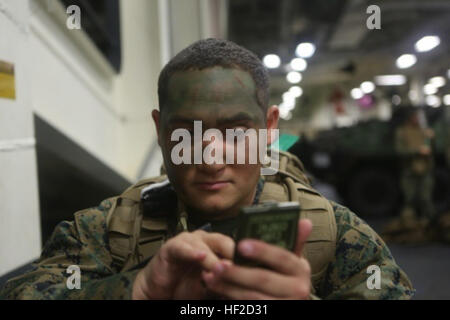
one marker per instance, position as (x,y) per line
(208,53)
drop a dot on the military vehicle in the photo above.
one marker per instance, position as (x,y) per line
(361,163)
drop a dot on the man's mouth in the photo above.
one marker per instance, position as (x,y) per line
(212,186)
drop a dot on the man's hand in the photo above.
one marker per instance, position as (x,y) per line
(175,272)
(289,276)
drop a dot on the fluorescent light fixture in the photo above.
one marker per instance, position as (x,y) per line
(427,43)
(296,91)
(448,73)
(299,64)
(433,101)
(356,93)
(367,86)
(447,99)
(429,89)
(294,77)
(437,81)
(305,50)
(390,80)
(272,61)
(406,61)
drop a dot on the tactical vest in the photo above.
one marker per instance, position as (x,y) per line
(135,237)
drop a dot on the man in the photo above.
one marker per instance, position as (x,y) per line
(412,143)
(149,242)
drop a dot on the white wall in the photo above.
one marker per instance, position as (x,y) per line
(136,86)
(19,206)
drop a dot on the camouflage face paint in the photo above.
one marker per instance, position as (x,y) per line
(221,99)
(210,95)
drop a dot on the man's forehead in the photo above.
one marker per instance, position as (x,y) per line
(217,74)
(215,84)
(213,92)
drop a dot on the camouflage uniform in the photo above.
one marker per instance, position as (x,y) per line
(417,175)
(84,242)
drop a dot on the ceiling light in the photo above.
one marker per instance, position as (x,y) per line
(285,108)
(437,81)
(305,50)
(294,77)
(288,97)
(406,61)
(356,93)
(272,61)
(447,99)
(367,86)
(285,114)
(429,89)
(288,103)
(433,101)
(296,91)
(299,64)
(390,80)
(427,43)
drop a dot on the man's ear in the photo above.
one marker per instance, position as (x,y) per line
(272,116)
(156,115)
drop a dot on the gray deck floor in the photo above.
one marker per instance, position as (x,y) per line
(428,267)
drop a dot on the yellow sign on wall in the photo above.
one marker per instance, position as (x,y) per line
(7,80)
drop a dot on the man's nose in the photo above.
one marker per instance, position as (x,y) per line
(213,156)
(211,169)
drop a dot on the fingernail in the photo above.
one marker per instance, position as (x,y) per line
(227,263)
(208,277)
(219,268)
(200,254)
(246,248)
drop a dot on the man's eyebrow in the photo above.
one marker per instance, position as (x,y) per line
(240,117)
